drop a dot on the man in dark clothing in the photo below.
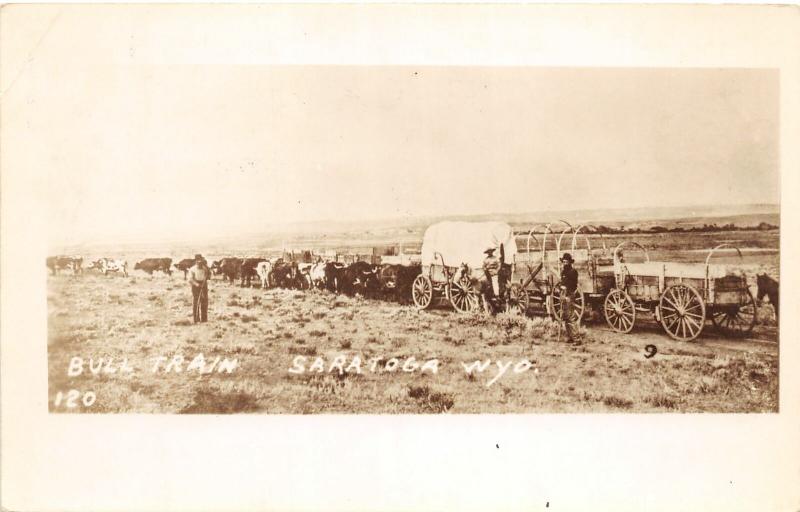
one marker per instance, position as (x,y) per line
(491,269)
(199,275)
(568,288)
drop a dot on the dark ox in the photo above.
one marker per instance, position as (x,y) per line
(184,265)
(151,265)
(361,278)
(229,268)
(286,274)
(59,263)
(305,274)
(769,287)
(249,270)
(334,276)
(396,281)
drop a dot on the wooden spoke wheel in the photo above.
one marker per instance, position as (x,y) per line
(464,296)
(422,291)
(518,300)
(735,319)
(682,312)
(577,309)
(619,310)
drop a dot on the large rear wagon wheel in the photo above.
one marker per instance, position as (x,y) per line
(682,312)
(619,310)
(422,291)
(577,310)
(735,319)
(464,296)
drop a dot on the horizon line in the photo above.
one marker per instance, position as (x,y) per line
(275,228)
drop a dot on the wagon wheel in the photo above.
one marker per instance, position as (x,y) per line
(735,319)
(619,310)
(463,295)
(555,305)
(422,291)
(517,301)
(682,312)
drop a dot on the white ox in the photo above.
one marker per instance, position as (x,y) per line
(106,265)
(264,270)
(316,275)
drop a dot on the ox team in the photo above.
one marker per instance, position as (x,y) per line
(393,281)
(387,281)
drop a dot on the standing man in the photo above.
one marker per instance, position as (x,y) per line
(199,275)
(567,288)
(491,267)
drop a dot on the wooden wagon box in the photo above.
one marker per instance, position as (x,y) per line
(646,281)
(600,284)
(681,296)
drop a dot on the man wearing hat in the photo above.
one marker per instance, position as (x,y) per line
(491,266)
(199,275)
(567,287)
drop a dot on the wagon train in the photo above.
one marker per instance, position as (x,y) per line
(681,296)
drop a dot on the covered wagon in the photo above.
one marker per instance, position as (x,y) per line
(452,262)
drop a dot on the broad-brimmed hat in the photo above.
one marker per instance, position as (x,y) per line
(199,257)
(489,250)
(567,257)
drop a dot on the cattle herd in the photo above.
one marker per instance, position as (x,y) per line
(105,265)
(387,281)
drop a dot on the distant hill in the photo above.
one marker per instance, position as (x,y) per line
(744,214)
(410,229)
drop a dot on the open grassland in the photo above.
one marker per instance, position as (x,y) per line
(142,318)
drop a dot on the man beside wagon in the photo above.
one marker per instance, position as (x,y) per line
(491,268)
(567,288)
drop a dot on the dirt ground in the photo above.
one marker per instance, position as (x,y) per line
(141,329)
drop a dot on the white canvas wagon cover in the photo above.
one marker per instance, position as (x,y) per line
(464,242)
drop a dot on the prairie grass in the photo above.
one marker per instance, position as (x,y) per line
(265,330)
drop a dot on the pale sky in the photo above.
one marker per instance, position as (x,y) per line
(192,149)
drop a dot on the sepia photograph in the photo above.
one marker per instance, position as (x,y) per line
(457,257)
(401,239)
